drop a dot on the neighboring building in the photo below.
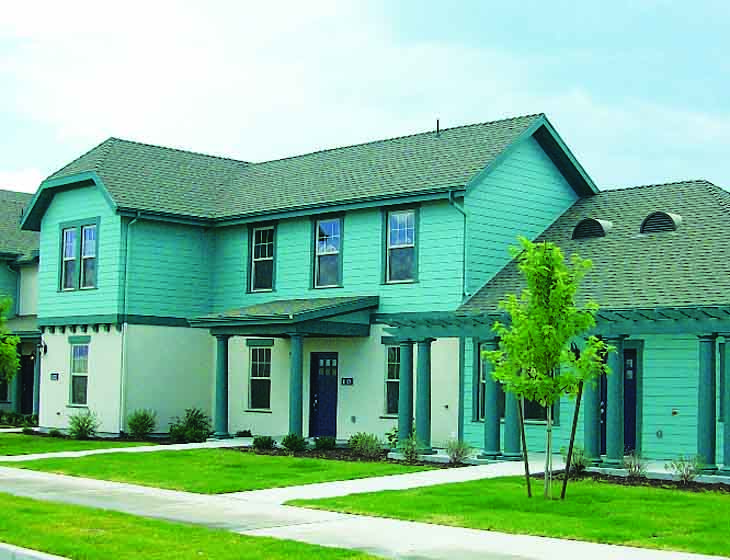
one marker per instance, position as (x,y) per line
(299,295)
(18,280)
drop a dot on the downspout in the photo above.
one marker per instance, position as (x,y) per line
(125,311)
(465,288)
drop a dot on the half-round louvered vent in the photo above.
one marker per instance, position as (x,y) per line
(660,221)
(591,228)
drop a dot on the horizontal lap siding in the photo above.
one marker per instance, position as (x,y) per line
(69,206)
(522,196)
(8,285)
(170,266)
(440,258)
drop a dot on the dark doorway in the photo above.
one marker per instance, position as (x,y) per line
(603,392)
(26,380)
(323,394)
(630,378)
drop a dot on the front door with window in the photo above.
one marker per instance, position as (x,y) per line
(323,394)
(630,375)
(27,374)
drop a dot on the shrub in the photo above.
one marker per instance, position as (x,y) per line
(83,425)
(458,451)
(194,427)
(263,443)
(325,443)
(391,436)
(142,423)
(366,445)
(579,461)
(685,468)
(410,450)
(294,443)
(55,432)
(28,431)
(635,466)
(244,433)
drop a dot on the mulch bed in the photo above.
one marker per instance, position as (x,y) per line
(693,486)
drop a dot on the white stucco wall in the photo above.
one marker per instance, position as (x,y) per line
(169,369)
(104,379)
(28,296)
(361,406)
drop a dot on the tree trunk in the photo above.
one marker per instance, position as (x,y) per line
(524,449)
(569,458)
(549,454)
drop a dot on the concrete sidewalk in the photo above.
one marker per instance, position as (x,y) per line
(384,537)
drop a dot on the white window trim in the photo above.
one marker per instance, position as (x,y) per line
(73,374)
(390,246)
(83,258)
(318,254)
(251,378)
(255,259)
(65,259)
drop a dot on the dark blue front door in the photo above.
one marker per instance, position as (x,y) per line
(323,394)
(630,374)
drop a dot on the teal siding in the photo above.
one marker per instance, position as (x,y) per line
(523,195)
(9,285)
(68,206)
(440,258)
(170,268)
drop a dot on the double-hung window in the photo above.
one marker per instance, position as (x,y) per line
(392,379)
(262,259)
(79,374)
(401,246)
(481,396)
(79,254)
(328,253)
(260,379)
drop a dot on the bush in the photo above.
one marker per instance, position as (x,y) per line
(28,431)
(579,461)
(391,436)
(294,443)
(685,468)
(635,466)
(263,443)
(366,445)
(83,425)
(244,433)
(325,443)
(194,427)
(410,450)
(142,423)
(55,432)
(458,451)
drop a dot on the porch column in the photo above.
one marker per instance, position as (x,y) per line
(405,393)
(37,381)
(220,423)
(491,405)
(512,435)
(592,420)
(615,405)
(423,396)
(296,382)
(706,403)
(726,406)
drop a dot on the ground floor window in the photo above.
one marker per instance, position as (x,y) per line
(260,379)
(482,394)
(392,380)
(79,373)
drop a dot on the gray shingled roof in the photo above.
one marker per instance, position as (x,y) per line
(683,268)
(12,238)
(151,178)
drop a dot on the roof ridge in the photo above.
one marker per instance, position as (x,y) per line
(668,184)
(326,150)
(178,150)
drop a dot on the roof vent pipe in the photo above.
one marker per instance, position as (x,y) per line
(438,128)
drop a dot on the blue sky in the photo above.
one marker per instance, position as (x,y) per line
(639,90)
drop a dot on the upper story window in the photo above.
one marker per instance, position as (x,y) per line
(328,253)
(79,253)
(400,258)
(262,259)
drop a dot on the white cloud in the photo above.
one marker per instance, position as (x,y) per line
(25,180)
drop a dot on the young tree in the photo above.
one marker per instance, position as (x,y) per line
(9,359)
(534,360)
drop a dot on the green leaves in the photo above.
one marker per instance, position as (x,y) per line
(9,359)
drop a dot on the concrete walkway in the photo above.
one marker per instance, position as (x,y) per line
(385,537)
(213,444)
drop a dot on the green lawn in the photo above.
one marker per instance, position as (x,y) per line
(593,511)
(212,471)
(21,444)
(92,534)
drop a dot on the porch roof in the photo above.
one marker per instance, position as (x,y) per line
(332,316)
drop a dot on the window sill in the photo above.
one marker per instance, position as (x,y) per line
(259,410)
(399,282)
(326,287)
(86,406)
(389,417)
